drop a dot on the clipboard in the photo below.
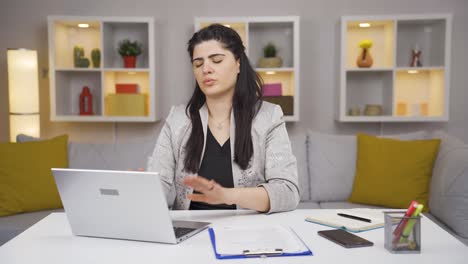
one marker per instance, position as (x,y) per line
(278,252)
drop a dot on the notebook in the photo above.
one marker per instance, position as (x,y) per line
(330,218)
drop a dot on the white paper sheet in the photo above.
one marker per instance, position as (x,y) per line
(234,240)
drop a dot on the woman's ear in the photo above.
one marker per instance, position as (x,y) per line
(238,65)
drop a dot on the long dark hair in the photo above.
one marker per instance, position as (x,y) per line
(245,103)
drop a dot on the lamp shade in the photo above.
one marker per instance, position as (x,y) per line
(23,90)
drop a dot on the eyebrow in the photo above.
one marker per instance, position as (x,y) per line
(211,56)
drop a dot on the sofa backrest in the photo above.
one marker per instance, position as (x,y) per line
(120,156)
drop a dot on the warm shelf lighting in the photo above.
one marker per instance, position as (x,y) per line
(413,71)
(270,72)
(23,90)
(83,25)
(227,25)
(131,73)
(364,25)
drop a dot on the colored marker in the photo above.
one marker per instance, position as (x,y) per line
(409,226)
(401,225)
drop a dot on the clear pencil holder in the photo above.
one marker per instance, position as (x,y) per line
(402,234)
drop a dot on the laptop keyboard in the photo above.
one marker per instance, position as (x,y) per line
(181,231)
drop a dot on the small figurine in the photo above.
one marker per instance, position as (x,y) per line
(416,57)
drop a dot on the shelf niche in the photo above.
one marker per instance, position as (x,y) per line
(71,84)
(68,35)
(382,35)
(426,35)
(369,88)
(420,93)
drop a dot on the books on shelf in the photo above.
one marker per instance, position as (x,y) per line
(272,89)
(330,218)
(122,88)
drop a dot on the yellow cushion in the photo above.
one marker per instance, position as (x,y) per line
(26,181)
(392,172)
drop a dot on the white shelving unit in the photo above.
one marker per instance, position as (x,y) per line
(283,32)
(406,94)
(104,33)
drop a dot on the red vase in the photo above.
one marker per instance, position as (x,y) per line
(86,102)
(129,61)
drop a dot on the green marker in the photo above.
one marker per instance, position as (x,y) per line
(409,225)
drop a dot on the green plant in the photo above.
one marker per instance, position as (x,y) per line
(129,48)
(269,51)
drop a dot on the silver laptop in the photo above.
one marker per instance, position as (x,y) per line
(120,204)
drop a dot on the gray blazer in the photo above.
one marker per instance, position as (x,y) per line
(272,166)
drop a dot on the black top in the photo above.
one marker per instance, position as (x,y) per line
(216,165)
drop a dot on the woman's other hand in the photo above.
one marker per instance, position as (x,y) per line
(210,192)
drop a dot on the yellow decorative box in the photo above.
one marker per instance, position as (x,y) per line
(126,105)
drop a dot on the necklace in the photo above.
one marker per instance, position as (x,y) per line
(219,125)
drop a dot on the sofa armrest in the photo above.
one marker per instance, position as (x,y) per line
(448,199)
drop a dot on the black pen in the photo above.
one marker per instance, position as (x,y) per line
(355,217)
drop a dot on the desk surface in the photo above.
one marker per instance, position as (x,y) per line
(51,241)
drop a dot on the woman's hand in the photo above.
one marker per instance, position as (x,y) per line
(210,192)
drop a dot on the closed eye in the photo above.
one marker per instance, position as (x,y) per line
(215,58)
(197,64)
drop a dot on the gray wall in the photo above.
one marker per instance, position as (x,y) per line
(24,24)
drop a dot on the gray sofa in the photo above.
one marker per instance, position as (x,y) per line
(326,166)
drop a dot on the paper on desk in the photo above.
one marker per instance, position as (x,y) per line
(233,240)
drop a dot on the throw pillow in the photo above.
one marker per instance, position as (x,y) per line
(332,163)
(26,181)
(391,172)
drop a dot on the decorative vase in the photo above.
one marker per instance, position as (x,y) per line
(270,62)
(129,61)
(86,101)
(96,58)
(373,110)
(364,59)
(354,111)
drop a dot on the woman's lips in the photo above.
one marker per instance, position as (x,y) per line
(209,82)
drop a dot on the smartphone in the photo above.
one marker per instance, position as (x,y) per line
(344,238)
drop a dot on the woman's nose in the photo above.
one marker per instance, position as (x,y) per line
(207,68)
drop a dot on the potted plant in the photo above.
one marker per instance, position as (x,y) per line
(129,50)
(269,59)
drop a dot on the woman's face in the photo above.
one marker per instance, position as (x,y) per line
(215,68)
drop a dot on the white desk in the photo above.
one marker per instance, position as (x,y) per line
(50,241)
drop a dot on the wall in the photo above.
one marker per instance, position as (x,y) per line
(24,24)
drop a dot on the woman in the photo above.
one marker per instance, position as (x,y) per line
(226,148)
